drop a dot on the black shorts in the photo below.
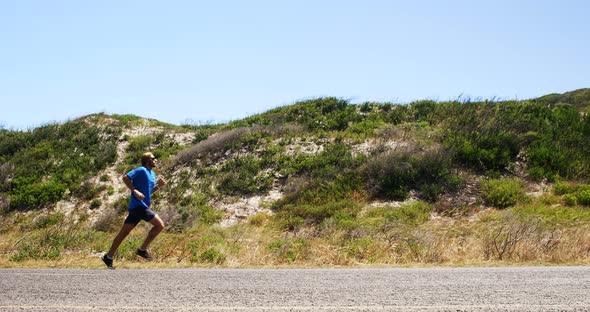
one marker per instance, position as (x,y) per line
(138,214)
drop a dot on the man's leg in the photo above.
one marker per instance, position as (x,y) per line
(158,226)
(125,230)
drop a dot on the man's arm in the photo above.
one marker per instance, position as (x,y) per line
(129,183)
(161,182)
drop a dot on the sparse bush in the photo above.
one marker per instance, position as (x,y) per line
(289,250)
(127,119)
(359,248)
(190,211)
(289,222)
(89,190)
(49,238)
(319,200)
(502,236)
(45,221)
(392,175)
(107,221)
(316,213)
(6,173)
(207,249)
(121,204)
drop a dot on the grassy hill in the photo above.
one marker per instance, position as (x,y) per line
(318,183)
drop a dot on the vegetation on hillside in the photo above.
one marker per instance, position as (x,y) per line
(42,166)
(331,160)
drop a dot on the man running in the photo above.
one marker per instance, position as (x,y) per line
(142,183)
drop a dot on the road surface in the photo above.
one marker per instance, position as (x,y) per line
(424,289)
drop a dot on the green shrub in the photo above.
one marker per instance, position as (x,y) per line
(562,188)
(430,192)
(95,203)
(413,213)
(484,151)
(243,175)
(583,197)
(548,161)
(212,255)
(335,159)
(570,199)
(573,193)
(49,220)
(389,176)
(35,195)
(289,222)
(364,129)
(502,192)
(345,221)
(423,110)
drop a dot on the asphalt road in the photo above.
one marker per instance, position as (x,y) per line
(431,289)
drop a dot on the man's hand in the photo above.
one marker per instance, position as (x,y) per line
(138,195)
(161,182)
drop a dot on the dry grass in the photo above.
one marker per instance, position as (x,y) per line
(220,141)
(488,238)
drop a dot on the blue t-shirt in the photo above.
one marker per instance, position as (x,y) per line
(144,181)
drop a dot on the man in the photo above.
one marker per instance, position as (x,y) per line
(142,183)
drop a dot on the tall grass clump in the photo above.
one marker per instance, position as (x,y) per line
(534,232)
(48,237)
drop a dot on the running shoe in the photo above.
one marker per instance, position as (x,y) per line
(108,261)
(144,254)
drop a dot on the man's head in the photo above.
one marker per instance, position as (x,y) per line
(149,160)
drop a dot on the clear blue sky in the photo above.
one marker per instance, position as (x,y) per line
(215,61)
